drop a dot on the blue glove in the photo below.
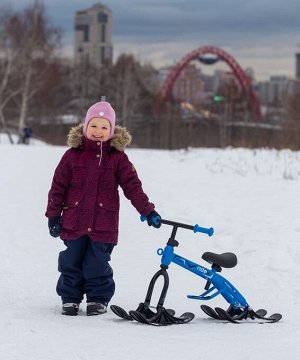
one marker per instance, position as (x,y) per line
(153,219)
(54,225)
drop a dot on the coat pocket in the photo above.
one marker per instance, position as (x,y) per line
(70,216)
(107,217)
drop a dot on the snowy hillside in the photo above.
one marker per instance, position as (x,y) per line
(251,198)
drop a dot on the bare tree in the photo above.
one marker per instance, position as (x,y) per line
(8,56)
(291,126)
(132,95)
(85,85)
(28,47)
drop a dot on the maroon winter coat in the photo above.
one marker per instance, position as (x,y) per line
(84,189)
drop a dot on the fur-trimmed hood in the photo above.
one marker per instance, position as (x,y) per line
(119,141)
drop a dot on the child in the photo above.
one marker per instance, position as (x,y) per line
(83,208)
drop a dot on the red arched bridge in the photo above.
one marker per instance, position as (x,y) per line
(244,81)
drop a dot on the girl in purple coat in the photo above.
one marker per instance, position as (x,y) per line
(83,208)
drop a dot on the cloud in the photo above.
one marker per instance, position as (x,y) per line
(265,61)
(262,34)
(171,19)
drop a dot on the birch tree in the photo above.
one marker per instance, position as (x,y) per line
(29,43)
(131,93)
(8,56)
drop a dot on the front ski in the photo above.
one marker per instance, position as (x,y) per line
(162,318)
(142,309)
(120,312)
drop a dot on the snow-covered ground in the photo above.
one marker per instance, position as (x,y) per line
(250,197)
(4,140)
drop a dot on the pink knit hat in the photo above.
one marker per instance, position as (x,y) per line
(104,110)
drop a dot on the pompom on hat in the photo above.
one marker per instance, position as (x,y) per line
(101,109)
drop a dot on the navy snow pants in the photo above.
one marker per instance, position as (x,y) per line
(85,269)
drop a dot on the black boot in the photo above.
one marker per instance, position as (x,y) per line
(70,309)
(94,308)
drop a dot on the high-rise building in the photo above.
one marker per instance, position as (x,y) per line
(93,34)
(298,65)
(271,91)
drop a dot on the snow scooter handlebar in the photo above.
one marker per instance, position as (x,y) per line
(196,228)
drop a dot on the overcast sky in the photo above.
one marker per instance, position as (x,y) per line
(261,34)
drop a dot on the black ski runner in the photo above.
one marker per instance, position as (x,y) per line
(142,309)
(162,318)
(272,318)
(210,312)
(120,312)
(236,314)
(259,314)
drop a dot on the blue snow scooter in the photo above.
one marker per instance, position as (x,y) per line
(238,309)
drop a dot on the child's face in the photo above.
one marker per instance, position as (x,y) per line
(98,129)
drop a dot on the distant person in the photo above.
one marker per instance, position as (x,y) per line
(83,208)
(27,132)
